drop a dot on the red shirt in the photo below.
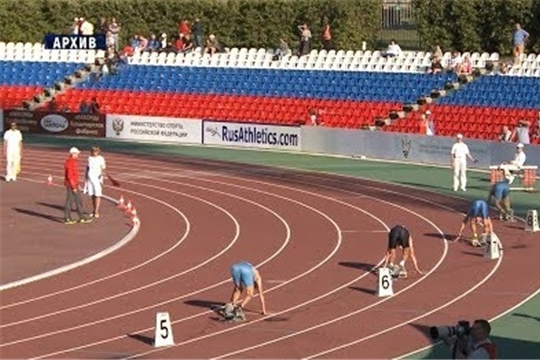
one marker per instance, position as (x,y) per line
(183,28)
(71,173)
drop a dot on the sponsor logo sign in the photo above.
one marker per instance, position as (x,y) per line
(68,124)
(252,135)
(151,128)
(54,123)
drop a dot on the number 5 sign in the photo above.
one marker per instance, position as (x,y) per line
(384,287)
(164,335)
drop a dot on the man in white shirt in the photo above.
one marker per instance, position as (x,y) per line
(13,151)
(393,49)
(95,171)
(515,165)
(459,154)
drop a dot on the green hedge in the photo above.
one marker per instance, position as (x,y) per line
(477,25)
(238,23)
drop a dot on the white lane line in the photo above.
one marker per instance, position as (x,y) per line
(445,246)
(305,273)
(439,308)
(80,286)
(364,231)
(132,233)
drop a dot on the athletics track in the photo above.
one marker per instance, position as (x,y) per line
(315,238)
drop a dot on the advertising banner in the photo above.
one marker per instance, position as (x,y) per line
(150,128)
(66,124)
(252,135)
(1,121)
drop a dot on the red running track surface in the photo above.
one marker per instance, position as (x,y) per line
(317,237)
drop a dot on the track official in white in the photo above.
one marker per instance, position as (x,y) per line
(13,141)
(459,154)
(95,171)
(515,165)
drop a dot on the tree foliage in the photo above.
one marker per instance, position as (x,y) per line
(477,25)
(239,23)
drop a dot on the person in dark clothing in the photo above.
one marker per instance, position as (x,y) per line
(198,33)
(399,236)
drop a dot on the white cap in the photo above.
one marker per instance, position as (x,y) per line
(74,150)
(520,145)
(459,136)
(428,112)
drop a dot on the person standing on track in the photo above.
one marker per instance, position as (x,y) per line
(500,192)
(93,186)
(71,181)
(399,236)
(478,214)
(13,150)
(246,277)
(459,154)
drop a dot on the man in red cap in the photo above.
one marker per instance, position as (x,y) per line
(71,181)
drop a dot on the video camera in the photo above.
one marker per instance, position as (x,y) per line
(461,330)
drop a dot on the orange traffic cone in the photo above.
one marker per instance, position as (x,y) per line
(121,203)
(49,180)
(133,213)
(128,206)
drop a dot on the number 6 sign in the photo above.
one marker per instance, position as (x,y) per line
(163,335)
(384,287)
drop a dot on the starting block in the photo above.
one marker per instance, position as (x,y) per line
(531,221)
(384,285)
(493,246)
(163,335)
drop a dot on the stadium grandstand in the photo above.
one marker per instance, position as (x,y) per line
(347,88)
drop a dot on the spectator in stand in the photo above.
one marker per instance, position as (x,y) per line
(426,127)
(520,38)
(393,49)
(198,33)
(179,44)
(437,53)
(188,44)
(436,65)
(84,108)
(94,106)
(313,117)
(164,42)
(305,39)
(109,40)
(282,50)
(212,45)
(103,25)
(521,132)
(153,44)
(506,134)
(136,43)
(76,27)
(143,43)
(430,123)
(86,27)
(183,28)
(114,28)
(455,63)
(326,36)
(466,66)
(128,51)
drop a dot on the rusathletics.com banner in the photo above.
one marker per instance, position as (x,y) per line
(252,135)
(149,128)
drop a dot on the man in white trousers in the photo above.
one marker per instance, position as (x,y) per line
(13,150)
(459,155)
(95,171)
